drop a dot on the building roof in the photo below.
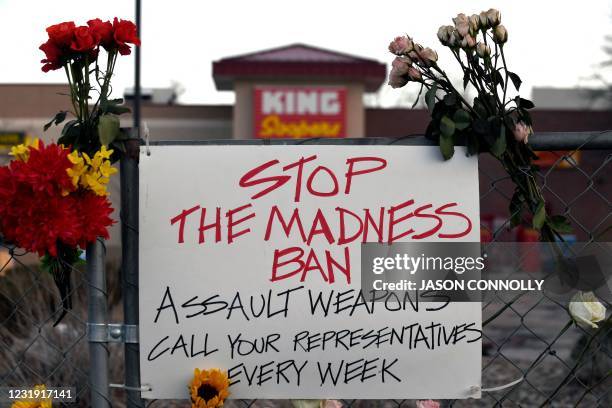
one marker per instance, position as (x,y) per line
(296,62)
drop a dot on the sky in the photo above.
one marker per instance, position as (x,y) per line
(551,43)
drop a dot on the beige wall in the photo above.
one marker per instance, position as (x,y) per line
(243,108)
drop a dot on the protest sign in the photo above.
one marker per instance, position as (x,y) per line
(250,262)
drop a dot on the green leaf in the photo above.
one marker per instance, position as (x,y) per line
(497,78)
(462,119)
(473,144)
(113,106)
(560,224)
(430,97)
(447,147)
(479,107)
(447,129)
(108,128)
(57,119)
(524,103)
(70,133)
(516,80)
(450,99)
(447,126)
(539,217)
(499,145)
(118,146)
(118,109)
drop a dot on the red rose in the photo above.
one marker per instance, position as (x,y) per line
(125,33)
(61,34)
(53,56)
(84,40)
(103,30)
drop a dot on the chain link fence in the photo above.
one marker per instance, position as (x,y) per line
(531,356)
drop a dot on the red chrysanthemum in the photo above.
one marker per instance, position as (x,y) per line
(39,221)
(34,212)
(45,170)
(94,217)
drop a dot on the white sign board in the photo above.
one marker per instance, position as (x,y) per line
(250,262)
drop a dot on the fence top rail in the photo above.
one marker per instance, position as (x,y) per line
(539,141)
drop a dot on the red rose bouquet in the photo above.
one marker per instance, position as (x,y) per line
(78,50)
(53,202)
(53,199)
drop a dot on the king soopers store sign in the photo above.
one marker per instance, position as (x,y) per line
(299,112)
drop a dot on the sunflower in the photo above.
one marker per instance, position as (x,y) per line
(46,403)
(209,388)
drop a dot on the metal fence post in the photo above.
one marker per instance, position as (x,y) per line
(129,266)
(97,317)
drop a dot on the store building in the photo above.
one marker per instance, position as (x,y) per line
(298,91)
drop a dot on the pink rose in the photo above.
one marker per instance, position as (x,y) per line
(396,80)
(521,132)
(462,24)
(400,65)
(400,45)
(468,42)
(428,56)
(427,404)
(414,74)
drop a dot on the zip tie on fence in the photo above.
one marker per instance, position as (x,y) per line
(146,136)
(475,388)
(145,387)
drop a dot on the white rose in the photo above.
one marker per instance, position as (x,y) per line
(484,21)
(483,50)
(444,33)
(500,34)
(493,17)
(474,23)
(586,310)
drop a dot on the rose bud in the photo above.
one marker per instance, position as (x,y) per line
(493,17)
(414,55)
(444,34)
(586,310)
(414,74)
(500,35)
(483,50)
(454,39)
(521,132)
(474,23)
(397,81)
(462,24)
(400,65)
(484,21)
(400,45)
(428,56)
(468,42)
